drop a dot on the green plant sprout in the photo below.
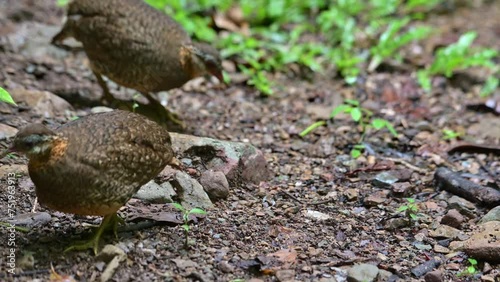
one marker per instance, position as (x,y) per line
(361,116)
(459,56)
(449,134)
(135,105)
(62,3)
(471,269)
(185,217)
(410,210)
(5,97)
(390,41)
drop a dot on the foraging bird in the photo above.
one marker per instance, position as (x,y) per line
(138,47)
(93,165)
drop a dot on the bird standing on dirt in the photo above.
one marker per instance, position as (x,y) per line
(138,47)
(93,165)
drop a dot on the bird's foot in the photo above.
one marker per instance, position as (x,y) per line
(108,221)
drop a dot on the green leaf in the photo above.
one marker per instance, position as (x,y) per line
(424,80)
(379,123)
(178,206)
(5,97)
(197,211)
(352,102)
(490,86)
(472,261)
(410,200)
(312,127)
(62,3)
(402,208)
(413,216)
(356,114)
(340,109)
(185,227)
(355,153)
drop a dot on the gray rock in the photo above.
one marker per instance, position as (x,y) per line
(445,231)
(362,273)
(485,244)
(190,191)
(453,218)
(384,275)
(215,184)
(316,215)
(285,275)
(492,215)
(240,162)
(7,131)
(100,109)
(31,40)
(463,206)
(385,179)
(41,103)
(29,219)
(154,193)
(434,276)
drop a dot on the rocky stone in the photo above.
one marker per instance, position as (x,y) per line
(445,231)
(492,215)
(26,261)
(29,219)
(7,131)
(215,184)
(155,193)
(316,215)
(463,206)
(113,256)
(485,243)
(42,103)
(226,267)
(453,218)
(385,179)
(240,162)
(434,276)
(383,275)
(190,191)
(285,275)
(376,198)
(13,168)
(362,273)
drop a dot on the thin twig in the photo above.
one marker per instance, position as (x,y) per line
(407,164)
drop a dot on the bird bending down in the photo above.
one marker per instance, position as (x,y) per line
(138,47)
(93,165)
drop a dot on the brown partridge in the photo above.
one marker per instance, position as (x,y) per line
(93,165)
(138,47)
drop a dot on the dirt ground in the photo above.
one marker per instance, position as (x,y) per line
(320,214)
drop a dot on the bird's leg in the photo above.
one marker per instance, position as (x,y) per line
(108,98)
(165,114)
(110,220)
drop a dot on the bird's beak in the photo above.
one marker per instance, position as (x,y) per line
(219,75)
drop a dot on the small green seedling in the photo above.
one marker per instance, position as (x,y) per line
(410,209)
(62,3)
(5,97)
(185,217)
(360,115)
(449,134)
(471,269)
(459,56)
(135,105)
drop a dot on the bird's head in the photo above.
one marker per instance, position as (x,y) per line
(201,59)
(33,140)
